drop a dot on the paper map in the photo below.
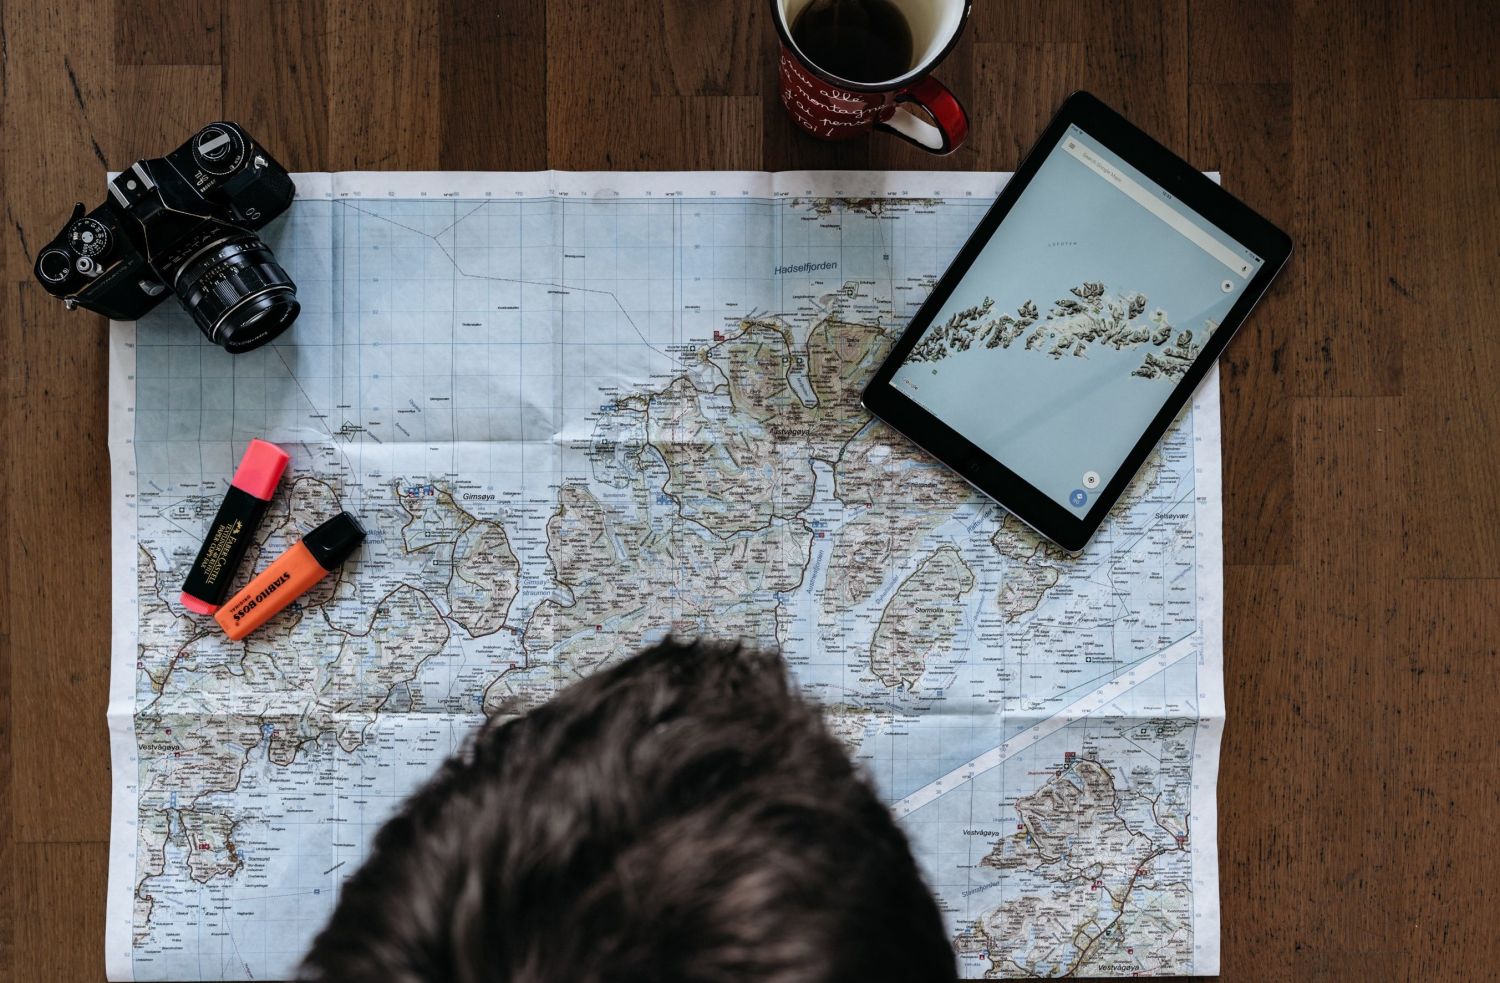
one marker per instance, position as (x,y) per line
(576,412)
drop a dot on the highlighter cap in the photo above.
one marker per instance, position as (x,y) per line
(260,469)
(196,604)
(335,540)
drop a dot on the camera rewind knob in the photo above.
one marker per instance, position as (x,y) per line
(218,149)
(54,265)
(88,237)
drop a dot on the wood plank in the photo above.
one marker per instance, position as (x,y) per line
(1142,69)
(57,122)
(1353,475)
(1346,160)
(59,138)
(710,49)
(493,109)
(59,78)
(1450,50)
(698,133)
(62,935)
(1132,56)
(1449,269)
(1261,781)
(1233,41)
(1021,85)
(55,436)
(185,97)
(275,77)
(639,120)
(721,132)
(1448,773)
(1042,21)
(1340,701)
(167,32)
(1243,131)
(12,364)
(382,85)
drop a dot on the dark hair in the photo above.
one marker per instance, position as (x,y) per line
(683,816)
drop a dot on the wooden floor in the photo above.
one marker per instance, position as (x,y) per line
(1361,770)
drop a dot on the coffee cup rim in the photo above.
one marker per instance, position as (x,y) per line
(783,29)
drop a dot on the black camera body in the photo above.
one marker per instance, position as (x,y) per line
(187,223)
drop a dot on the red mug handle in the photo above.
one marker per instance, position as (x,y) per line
(949,126)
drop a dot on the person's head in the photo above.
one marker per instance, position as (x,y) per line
(683,816)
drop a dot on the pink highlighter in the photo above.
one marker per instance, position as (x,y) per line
(244,505)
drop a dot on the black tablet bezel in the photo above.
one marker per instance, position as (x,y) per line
(1189,186)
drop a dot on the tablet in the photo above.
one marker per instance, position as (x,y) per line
(1077,321)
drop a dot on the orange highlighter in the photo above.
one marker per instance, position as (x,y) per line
(308,561)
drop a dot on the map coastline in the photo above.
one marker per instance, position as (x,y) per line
(831,489)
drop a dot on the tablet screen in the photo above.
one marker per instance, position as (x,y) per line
(1076,321)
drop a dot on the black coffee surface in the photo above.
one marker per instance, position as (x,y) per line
(860,40)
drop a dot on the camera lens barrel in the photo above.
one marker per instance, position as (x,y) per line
(237,293)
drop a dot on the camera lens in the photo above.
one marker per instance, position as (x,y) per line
(238,294)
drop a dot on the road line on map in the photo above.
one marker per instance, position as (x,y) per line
(1169,656)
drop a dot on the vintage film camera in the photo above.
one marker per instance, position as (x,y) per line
(185,222)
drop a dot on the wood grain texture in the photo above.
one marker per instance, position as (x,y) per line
(1361,403)
(1346,171)
(1445,39)
(382,85)
(167,32)
(57,937)
(493,78)
(275,77)
(1245,129)
(1451,647)
(1450,265)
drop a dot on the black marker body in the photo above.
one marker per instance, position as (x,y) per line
(250,492)
(223,548)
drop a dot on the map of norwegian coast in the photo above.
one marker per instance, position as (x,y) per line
(1070,328)
(576,412)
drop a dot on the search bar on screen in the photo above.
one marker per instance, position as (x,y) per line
(1143,196)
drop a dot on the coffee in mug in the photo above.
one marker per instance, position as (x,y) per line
(860,40)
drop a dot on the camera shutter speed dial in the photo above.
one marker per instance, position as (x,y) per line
(88,237)
(218,149)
